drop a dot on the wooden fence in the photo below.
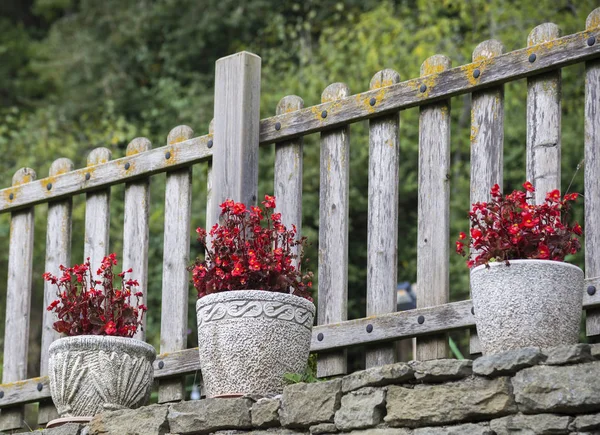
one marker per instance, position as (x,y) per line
(230,151)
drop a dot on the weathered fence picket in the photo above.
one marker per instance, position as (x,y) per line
(18,300)
(176,255)
(333,230)
(136,225)
(433,237)
(487,138)
(97,214)
(592,173)
(58,252)
(231,150)
(288,172)
(543,118)
(382,237)
(209,182)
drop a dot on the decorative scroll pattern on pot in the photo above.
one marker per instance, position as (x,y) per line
(242,308)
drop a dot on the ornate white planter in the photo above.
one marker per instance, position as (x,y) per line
(248,339)
(92,373)
(531,303)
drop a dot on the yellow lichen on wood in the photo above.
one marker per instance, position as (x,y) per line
(469,70)
(544,38)
(365,99)
(430,73)
(98,156)
(88,170)
(432,68)
(129,169)
(429,82)
(172,156)
(46,181)
(23,176)
(179,134)
(289,104)
(138,145)
(384,78)
(545,47)
(6,193)
(178,139)
(317,112)
(382,83)
(593,19)
(474,129)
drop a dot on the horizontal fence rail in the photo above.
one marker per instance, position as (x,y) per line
(492,72)
(105,174)
(419,322)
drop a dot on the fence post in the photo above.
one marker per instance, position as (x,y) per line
(592,175)
(433,279)
(487,140)
(18,300)
(543,119)
(236,136)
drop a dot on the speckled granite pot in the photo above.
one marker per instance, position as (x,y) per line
(531,303)
(92,373)
(248,339)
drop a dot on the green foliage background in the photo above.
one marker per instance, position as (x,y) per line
(79,74)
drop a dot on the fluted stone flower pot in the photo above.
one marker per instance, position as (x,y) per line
(530,303)
(92,373)
(248,339)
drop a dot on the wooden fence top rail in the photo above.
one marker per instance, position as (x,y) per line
(385,327)
(433,87)
(94,177)
(436,86)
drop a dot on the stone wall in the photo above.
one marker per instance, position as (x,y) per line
(528,391)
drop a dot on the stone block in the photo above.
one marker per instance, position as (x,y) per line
(461,401)
(380,431)
(265,413)
(562,389)
(531,424)
(561,355)
(506,363)
(461,429)
(305,405)
(209,415)
(361,409)
(595,350)
(65,429)
(587,422)
(378,376)
(441,370)
(323,428)
(148,420)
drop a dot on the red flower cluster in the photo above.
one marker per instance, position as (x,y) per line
(509,228)
(250,249)
(82,309)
